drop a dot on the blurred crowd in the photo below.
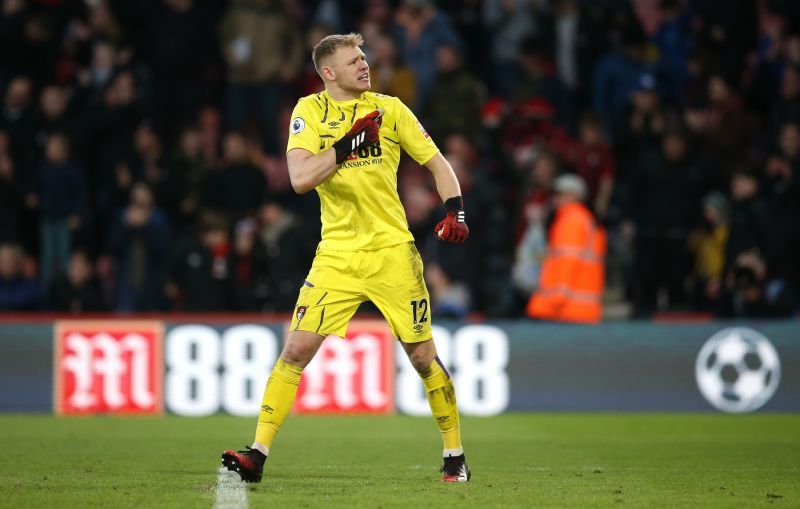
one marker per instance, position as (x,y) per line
(142,165)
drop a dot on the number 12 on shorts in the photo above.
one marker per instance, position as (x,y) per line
(419,310)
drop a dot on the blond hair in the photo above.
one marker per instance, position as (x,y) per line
(329,44)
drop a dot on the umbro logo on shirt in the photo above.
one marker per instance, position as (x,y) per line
(335,123)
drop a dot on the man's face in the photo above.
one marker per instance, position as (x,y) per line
(9,265)
(79,270)
(350,67)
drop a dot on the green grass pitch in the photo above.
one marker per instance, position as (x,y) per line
(518,460)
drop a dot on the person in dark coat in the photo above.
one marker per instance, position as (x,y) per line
(282,251)
(77,291)
(139,244)
(201,275)
(666,194)
(58,192)
(238,188)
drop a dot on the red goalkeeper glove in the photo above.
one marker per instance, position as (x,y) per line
(363,134)
(453,228)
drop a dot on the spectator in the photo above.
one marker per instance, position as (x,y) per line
(449,298)
(674,41)
(280,255)
(512,22)
(644,119)
(787,106)
(201,276)
(102,23)
(570,288)
(138,244)
(389,75)
(420,30)
(77,291)
(663,207)
(239,186)
(17,291)
(17,119)
(149,164)
(59,193)
(721,126)
(455,99)
(783,169)
(111,125)
(53,117)
(616,76)
(577,35)
(752,230)
(420,205)
(781,185)
(531,236)
(750,294)
(189,163)
(94,80)
(529,129)
(36,47)
(538,80)
(590,157)
(263,52)
(708,245)
(473,271)
(493,231)
(377,14)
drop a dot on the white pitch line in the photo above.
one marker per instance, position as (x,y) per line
(230,491)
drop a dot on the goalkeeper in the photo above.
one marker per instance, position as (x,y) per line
(345,143)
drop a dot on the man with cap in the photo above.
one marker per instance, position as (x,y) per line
(572,279)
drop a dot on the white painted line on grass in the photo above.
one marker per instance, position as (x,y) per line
(230,491)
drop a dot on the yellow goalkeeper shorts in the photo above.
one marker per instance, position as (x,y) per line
(339,281)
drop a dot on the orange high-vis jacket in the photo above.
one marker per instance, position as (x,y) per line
(573,274)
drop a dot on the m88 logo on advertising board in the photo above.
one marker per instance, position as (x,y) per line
(107,367)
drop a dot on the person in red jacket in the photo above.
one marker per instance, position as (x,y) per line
(572,279)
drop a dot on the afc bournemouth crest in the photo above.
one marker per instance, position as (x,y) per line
(300,313)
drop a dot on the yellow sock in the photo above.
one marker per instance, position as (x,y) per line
(278,399)
(442,399)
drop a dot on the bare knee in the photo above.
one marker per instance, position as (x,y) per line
(300,349)
(296,355)
(420,354)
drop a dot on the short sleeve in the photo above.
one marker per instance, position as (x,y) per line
(303,131)
(414,139)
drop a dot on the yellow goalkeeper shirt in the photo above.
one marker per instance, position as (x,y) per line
(359,203)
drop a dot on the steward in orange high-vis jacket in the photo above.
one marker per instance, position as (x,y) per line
(572,278)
